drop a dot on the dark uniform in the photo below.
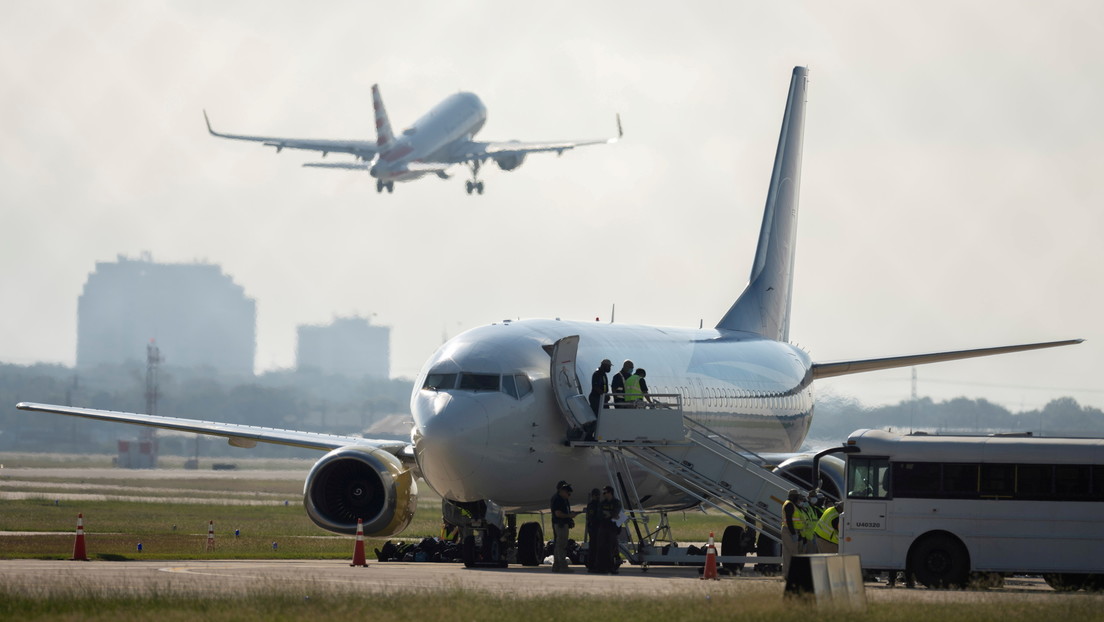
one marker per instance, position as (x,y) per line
(593,517)
(617,386)
(599,386)
(608,531)
(561,525)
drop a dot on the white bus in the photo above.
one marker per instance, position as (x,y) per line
(943,507)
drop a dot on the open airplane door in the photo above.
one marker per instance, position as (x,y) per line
(565,384)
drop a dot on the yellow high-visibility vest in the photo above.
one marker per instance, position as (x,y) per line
(824,528)
(632,389)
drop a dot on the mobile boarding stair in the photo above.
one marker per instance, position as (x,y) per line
(658,441)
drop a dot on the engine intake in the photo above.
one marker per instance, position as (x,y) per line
(509,162)
(360,482)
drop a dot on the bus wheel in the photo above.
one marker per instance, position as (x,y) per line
(732,545)
(1066,582)
(940,561)
(530,544)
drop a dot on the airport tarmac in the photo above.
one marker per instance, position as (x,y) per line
(311,578)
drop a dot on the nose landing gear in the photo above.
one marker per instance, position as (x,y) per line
(474,184)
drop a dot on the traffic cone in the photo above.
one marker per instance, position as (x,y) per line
(210,535)
(358,550)
(710,571)
(79,553)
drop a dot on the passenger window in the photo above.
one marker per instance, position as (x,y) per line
(919,480)
(997,480)
(1071,481)
(437,382)
(1033,481)
(960,480)
(479,382)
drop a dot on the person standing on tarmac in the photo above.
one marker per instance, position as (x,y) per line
(811,513)
(563,519)
(617,385)
(793,525)
(609,531)
(636,389)
(593,517)
(827,530)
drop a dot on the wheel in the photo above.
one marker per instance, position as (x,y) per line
(767,548)
(940,561)
(479,187)
(467,551)
(1066,582)
(530,544)
(390,187)
(470,186)
(379,185)
(732,544)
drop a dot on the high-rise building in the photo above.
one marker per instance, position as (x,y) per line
(197,314)
(350,346)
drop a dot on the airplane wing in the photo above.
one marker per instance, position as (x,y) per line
(239,435)
(479,150)
(349,166)
(363,149)
(828,370)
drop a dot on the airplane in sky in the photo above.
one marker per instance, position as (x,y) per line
(442,138)
(493,412)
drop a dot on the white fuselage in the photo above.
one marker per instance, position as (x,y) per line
(455,120)
(487,444)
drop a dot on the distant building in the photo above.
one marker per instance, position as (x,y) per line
(350,346)
(197,314)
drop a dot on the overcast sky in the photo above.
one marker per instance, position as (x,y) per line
(951,193)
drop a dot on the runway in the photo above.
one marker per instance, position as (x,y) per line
(313,578)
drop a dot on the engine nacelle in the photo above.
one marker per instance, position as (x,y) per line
(360,482)
(799,470)
(509,161)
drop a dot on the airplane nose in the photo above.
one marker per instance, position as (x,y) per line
(450,441)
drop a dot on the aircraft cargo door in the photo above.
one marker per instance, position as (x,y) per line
(565,384)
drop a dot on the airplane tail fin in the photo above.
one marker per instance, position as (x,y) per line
(384,136)
(764,306)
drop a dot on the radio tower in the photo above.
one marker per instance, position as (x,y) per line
(147,437)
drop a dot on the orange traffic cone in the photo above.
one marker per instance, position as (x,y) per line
(210,535)
(710,571)
(358,550)
(79,553)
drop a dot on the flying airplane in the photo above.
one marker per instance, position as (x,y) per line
(443,137)
(491,429)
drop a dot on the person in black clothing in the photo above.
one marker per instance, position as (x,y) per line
(617,385)
(562,522)
(609,508)
(599,386)
(593,517)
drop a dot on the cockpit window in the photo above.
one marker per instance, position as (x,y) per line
(524,387)
(436,382)
(479,382)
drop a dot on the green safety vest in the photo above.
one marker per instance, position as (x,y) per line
(798,518)
(811,520)
(632,389)
(824,528)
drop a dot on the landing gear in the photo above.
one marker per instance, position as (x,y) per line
(389,185)
(475,184)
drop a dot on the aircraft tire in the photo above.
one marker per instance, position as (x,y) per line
(467,551)
(530,544)
(731,544)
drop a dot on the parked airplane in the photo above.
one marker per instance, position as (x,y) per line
(492,407)
(443,137)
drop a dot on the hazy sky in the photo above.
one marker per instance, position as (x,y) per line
(951,193)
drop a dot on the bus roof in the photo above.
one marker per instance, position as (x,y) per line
(978,449)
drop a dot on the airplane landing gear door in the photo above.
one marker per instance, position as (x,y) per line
(565,385)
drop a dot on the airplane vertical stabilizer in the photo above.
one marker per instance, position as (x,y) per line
(384,136)
(764,306)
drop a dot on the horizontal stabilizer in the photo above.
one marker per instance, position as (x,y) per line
(843,368)
(349,166)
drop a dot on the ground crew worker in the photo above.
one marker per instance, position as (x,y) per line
(449,532)
(793,525)
(812,517)
(636,390)
(827,530)
(617,385)
(608,532)
(563,519)
(593,517)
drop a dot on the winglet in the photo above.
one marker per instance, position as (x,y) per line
(619,132)
(208,124)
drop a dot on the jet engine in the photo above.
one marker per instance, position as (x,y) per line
(509,161)
(800,471)
(360,482)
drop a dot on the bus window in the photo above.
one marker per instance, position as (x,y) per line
(916,479)
(1033,481)
(1071,481)
(960,480)
(997,480)
(867,478)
